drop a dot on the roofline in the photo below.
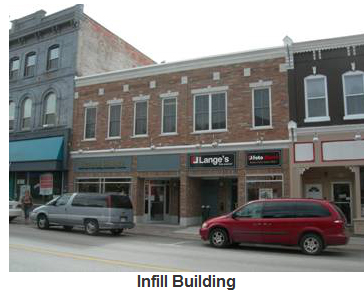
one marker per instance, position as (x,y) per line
(331,43)
(178,66)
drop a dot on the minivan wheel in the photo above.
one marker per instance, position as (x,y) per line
(42,222)
(219,238)
(91,227)
(311,244)
(116,231)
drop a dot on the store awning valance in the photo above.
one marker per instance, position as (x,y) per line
(44,149)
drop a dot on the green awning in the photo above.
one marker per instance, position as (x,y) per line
(43,149)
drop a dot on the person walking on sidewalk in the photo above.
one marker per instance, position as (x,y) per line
(27,203)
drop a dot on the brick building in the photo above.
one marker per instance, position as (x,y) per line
(46,52)
(185,139)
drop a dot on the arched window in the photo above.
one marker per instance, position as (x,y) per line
(30,60)
(353,87)
(14,68)
(53,57)
(49,110)
(26,114)
(11,115)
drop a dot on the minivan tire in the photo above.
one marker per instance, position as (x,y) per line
(311,244)
(116,231)
(91,227)
(219,238)
(42,221)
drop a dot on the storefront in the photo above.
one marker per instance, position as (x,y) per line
(330,167)
(38,165)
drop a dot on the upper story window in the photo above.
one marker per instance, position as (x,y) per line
(53,57)
(14,68)
(353,86)
(169,115)
(114,120)
(262,108)
(210,112)
(316,100)
(49,116)
(11,115)
(26,114)
(141,118)
(90,123)
(30,60)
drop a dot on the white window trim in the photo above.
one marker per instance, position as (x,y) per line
(140,98)
(261,84)
(134,128)
(169,94)
(115,101)
(84,124)
(13,117)
(270,126)
(169,133)
(321,118)
(108,120)
(347,116)
(209,90)
(210,113)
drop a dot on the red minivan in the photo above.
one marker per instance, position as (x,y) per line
(308,223)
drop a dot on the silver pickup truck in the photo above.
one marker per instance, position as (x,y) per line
(94,212)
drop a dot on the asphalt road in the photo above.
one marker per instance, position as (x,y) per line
(31,249)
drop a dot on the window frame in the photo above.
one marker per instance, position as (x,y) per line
(13,117)
(346,115)
(324,118)
(85,119)
(26,73)
(147,118)
(45,101)
(22,114)
(55,46)
(108,120)
(270,126)
(210,130)
(176,119)
(11,76)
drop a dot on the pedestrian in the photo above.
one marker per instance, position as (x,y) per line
(27,203)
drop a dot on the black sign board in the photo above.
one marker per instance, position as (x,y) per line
(263,158)
(212,160)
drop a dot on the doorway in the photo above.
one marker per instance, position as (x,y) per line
(341,193)
(157,202)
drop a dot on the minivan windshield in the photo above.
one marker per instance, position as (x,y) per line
(120,201)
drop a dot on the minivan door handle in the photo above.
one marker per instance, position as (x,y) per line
(257,224)
(267,224)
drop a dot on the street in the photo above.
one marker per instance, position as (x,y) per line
(31,249)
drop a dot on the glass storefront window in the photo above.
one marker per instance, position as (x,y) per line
(103,185)
(264,187)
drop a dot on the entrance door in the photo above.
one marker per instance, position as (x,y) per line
(209,190)
(342,198)
(157,196)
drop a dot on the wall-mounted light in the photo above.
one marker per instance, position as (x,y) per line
(315,137)
(152,147)
(214,144)
(357,136)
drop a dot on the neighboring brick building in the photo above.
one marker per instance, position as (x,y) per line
(326,88)
(45,54)
(184,139)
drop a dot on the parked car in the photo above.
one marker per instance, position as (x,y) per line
(93,211)
(311,224)
(14,210)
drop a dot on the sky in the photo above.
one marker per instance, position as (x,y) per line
(179,30)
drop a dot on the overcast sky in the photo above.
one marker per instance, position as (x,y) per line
(178,30)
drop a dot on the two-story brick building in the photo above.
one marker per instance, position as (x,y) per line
(185,139)
(46,53)
(326,89)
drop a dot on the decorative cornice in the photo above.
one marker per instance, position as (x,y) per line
(156,69)
(330,129)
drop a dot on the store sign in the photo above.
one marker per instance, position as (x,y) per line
(102,164)
(263,158)
(46,184)
(212,160)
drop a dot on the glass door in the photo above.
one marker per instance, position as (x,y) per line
(157,204)
(342,198)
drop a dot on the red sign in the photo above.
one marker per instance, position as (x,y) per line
(46,184)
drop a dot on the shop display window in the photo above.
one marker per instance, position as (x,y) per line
(264,187)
